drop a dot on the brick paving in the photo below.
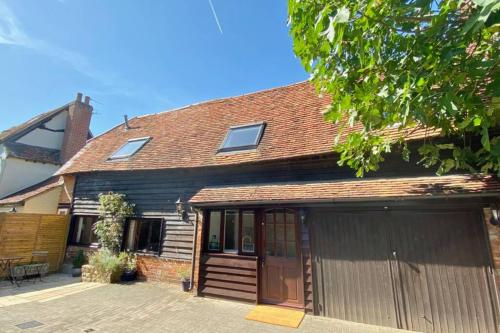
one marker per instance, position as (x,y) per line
(145,307)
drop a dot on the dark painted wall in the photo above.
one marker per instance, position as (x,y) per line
(155,192)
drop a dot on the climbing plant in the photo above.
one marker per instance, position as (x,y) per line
(113,211)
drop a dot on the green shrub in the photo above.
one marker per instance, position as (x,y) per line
(129,261)
(113,211)
(79,259)
(184,273)
(105,262)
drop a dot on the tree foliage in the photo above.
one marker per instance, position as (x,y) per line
(113,211)
(401,65)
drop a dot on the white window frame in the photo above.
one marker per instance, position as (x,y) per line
(123,156)
(246,147)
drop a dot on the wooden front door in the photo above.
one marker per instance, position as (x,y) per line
(281,269)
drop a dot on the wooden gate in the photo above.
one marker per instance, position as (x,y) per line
(21,234)
(416,270)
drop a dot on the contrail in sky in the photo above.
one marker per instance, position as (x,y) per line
(215,16)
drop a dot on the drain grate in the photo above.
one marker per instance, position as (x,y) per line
(29,324)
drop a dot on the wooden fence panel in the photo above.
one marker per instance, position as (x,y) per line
(21,234)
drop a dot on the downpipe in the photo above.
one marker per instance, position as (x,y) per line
(193,255)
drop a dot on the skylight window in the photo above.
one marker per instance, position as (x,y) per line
(130,148)
(243,137)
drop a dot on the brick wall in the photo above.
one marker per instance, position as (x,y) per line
(72,251)
(152,268)
(494,236)
(77,127)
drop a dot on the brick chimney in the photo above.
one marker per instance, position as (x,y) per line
(77,127)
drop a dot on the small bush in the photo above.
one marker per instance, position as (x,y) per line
(184,273)
(79,259)
(105,262)
(129,261)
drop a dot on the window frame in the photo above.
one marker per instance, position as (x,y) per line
(262,126)
(76,228)
(136,233)
(221,249)
(112,157)
(255,244)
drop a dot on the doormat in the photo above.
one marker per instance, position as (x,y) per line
(276,316)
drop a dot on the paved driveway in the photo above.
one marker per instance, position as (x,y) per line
(139,307)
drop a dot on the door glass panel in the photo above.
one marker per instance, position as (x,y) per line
(231,231)
(214,231)
(290,232)
(280,249)
(280,226)
(248,232)
(290,218)
(269,234)
(270,249)
(280,216)
(280,232)
(291,249)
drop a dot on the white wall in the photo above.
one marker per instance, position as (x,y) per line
(3,157)
(18,174)
(43,138)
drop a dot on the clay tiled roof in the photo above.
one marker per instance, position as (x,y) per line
(32,191)
(32,153)
(351,190)
(190,136)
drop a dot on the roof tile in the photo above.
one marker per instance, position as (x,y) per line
(191,136)
(351,190)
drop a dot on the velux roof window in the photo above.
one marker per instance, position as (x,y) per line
(243,137)
(130,148)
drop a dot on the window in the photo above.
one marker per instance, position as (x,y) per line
(214,231)
(143,235)
(243,137)
(231,231)
(83,233)
(129,148)
(247,232)
(280,234)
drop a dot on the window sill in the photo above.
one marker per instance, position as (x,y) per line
(146,254)
(90,246)
(229,255)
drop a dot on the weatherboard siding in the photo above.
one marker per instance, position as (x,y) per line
(154,193)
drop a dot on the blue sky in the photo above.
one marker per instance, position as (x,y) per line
(138,57)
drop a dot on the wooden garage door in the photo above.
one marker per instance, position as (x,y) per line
(417,270)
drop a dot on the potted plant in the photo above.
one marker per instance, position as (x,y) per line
(129,266)
(78,262)
(185,276)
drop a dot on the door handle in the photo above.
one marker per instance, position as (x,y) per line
(262,261)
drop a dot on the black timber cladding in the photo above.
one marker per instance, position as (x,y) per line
(155,192)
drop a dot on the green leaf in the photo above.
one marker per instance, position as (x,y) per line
(485,139)
(342,15)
